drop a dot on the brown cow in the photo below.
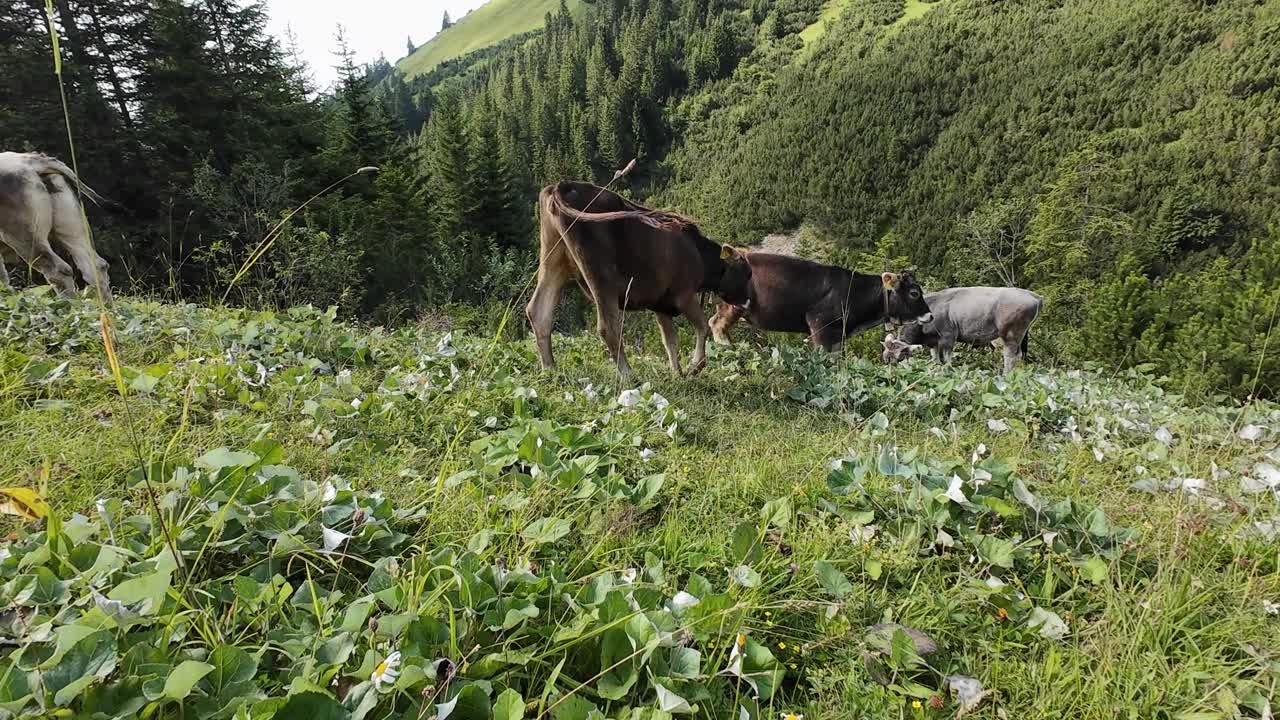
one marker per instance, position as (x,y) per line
(627,257)
(791,294)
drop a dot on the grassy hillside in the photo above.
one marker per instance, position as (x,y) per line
(487,25)
(319,496)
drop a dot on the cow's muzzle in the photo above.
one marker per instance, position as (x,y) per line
(927,317)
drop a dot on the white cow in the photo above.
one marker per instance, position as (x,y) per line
(39,205)
(972,315)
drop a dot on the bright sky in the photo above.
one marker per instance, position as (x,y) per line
(373,27)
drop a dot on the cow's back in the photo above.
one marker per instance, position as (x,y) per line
(650,267)
(785,289)
(982,314)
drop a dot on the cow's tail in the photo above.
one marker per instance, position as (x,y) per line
(659,219)
(1026,336)
(53,166)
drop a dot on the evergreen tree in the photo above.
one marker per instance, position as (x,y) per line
(447,23)
(362,132)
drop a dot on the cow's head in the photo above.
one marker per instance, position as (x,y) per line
(904,299)
(735,278)
(896,350)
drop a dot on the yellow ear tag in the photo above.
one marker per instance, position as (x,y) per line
(725,252)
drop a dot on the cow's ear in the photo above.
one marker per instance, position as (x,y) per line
(889,279)
(888,340)
(727,252)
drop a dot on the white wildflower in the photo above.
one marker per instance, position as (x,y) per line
(387,671)
(568,396)
(997,425)
(1164,436)
(659,402)
(1097,454)
(629,576)
(953,490)
(863,533)
(328,492)
(590,391)
(978,453)
(629,398)
(647,454)
(980,477)
(1250,433)
(1271,608)
(938,433)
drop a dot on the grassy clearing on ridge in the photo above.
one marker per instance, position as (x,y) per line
(575,567)
(487,25)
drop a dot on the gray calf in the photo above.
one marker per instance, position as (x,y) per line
(972,315)
(38,204)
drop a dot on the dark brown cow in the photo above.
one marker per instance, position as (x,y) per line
(791,294)
(627,257)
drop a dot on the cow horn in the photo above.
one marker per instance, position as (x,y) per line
(889,279)
(726,252)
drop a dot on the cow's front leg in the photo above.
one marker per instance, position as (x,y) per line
(670,340)
(4,275)
(726,315)
(692,310)
(609,325)
(826,333)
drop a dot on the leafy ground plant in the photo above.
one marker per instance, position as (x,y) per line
(295,517)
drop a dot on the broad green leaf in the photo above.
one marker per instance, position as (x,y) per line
(508,706)
(89,659)
(546,530)
(184,677)
(149,588)
(995,551)
(647,489)
(480,541)
(685,663)
(311,705)
(469,704)
(874,568)
(832,580)
(777,513)
(1094,570)
(1025,496)
(745,546)
(745,576)
(1097,523)
(670,702)
(574,707)
(222,457)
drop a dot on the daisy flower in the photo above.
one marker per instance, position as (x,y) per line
(387,671)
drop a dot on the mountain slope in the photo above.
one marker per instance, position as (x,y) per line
(487,25)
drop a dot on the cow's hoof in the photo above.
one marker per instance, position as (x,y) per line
(695,369)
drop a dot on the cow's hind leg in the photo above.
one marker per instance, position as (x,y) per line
(608,316)
(70,231)
(692,309)
(4,258)
(670,340)
(27,232)
(541,309)
(1012,353)
(725,317)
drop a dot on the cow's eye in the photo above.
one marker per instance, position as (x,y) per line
(915,294)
